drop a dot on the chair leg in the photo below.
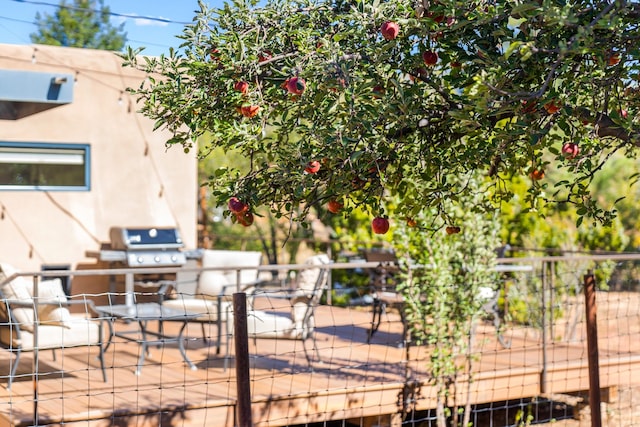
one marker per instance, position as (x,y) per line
(227,344)
(14,369)
(315,347)
(204,334)
(101,353)
(378,309)
(219,324)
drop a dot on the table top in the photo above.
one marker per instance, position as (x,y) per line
(144,311)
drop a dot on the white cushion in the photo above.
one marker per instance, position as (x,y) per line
(50,292)
(212,283)
(80,332)
(308,278)
(52,298)
(221,258)
(261,324)
(18,290)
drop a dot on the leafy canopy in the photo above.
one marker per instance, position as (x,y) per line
(80,24)
(492,86)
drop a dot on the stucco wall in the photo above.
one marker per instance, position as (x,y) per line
(135,180)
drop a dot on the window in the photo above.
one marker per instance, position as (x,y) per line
(40,166)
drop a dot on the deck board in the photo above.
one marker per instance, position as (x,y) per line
(354,379)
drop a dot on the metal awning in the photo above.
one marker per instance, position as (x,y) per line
(23,93)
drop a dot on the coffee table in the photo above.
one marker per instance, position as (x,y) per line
(142,314)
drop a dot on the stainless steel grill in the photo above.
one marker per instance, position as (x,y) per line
(142,247)
(145,247)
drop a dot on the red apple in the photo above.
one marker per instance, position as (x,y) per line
(429,58)
(334,206)
(613,59)
(390,30)
(570,150)
(249,110)
(245,218)
(264,56)
(536,174)
(437,18)
(380,225)
(312,167)
(552,107)
(237,206)
(241,86)
(378,91)
(452,229)
(411,222)
(624,114)
(296,85)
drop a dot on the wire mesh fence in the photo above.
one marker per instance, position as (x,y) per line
(311,356)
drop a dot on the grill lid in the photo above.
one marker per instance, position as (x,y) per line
(150,238)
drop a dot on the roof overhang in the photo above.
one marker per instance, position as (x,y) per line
(23,93)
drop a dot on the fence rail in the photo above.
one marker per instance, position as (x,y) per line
(572,325)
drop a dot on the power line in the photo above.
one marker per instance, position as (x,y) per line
(144,43)
(120,15)
(129,40)
(17,20)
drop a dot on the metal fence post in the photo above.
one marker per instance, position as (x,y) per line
(592,349)
(35,368)
(543,374)
(243,383)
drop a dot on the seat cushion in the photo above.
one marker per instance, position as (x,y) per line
(78,332)
(261,324)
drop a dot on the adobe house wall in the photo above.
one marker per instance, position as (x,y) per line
(135,179)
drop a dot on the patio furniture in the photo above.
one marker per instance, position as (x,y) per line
(142,314)
(304,298)
(224,272)
(31,322)
(383,287)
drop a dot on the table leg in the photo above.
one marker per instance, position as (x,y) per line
(129,290)
(183,350)
(111,334)
(377,310)
(143,344)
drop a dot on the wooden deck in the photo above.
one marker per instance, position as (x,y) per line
(355,380)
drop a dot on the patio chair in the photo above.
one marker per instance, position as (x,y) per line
(214,288)
(304,298)
(382,285)
(24,316)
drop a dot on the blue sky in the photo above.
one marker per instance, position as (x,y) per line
(17,19)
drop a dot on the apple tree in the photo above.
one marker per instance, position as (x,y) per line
(360,101)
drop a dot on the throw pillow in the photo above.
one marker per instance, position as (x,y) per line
(52,299)
(18,290)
